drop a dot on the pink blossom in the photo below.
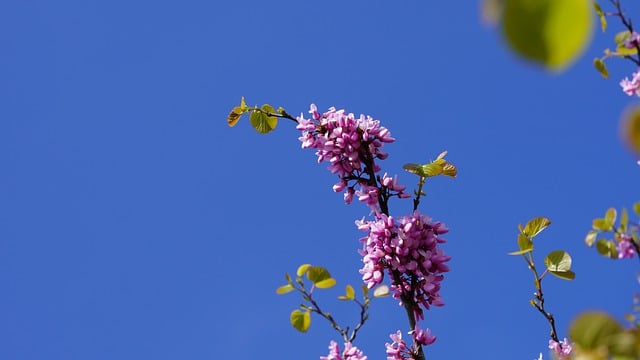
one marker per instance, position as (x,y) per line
(632,41)
(350,352)
(423,337)
(398,348)
(625,247)
(562,348)
(630,87)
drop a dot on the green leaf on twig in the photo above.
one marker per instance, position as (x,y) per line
(349,293)
(590,238)
(601,67)
(284,289)
(302,269)
(594,331)
(601,16)
(607,248)
(300,320)
(262,121)
(320,277)
(559,264)
(524,244)
(535,226)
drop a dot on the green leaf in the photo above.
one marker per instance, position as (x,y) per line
(564,275)
(593,330)
(630,130)
(552,33)
(610,217)
(624,220)
(234,116)
(302,269)
(301,321)
(600,13)
(350,294)
(317,274)
(381,291)
(601,67)
(622,51)
(262,122)
(325,284)
(636,208)
(414,169)
(524,244)
(535,226)
(243,105)
(284,289)
(558,261)
(591,238)
(601,225)
(431,170)
(607,248)
(621,38)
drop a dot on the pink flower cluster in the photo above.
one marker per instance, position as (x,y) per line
(407,248)
(350,352)
(625,247)
(562,349)
(350,145)
(631,87)
(398,348)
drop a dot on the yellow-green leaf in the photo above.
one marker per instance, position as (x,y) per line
(349,293)
(590,238)
(636,208)
(300,320)
(302,269)
(607,248)
(630,129)
(284,289)
(414,169)
(381,291)
(558,261)
(552,33)
(535,226)
(234,116)
(524,244)
(326,283)
(593,330)
(610,217)
(600,13)
(317,274)
(624,220)
(601,67)
(261,121)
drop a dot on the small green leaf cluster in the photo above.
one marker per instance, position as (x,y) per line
(608,246)
(598,336)
(263,119)
(320,278)
(437,167)
(620,51)
(557,262)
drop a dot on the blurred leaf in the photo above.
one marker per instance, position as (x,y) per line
(610,218)
(601,67)
(594,330)
(535,226)
(381,291)
(302,269)
(350,294)
(591,238)
(624,220)
(524,244)
(288,277)
(622,37)
(622,51)
(550,32)
(301,321)
(558,261)
(630,129)
(284,289)
(600,13)
(317,274)
(327,283)
(636,208)
(602,225)
(262,122)
(365,290)
(491,11)
(607,248)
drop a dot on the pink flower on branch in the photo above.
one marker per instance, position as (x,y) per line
(350,352)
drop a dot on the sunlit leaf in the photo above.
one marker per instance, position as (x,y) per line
(607,248)
(302,269)
(432,169)
(610,217)
(622,51)
(622,37)
(284,289)
(564,275)
(524,244)
(381,291)
(590,238)
(317,274)
(603,18)
(624,220)
(326,283)
(535,226)
(636,208)
(234,116)
(300,320)
(602,225)
(262,122)
(601,67)
(414,169)
(630,129)
(558,261)
(243,105)
(550,32)
(349,292)
(593,330)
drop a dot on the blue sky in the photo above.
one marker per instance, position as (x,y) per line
(135,224)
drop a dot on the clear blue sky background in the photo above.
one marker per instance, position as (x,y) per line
(135,224)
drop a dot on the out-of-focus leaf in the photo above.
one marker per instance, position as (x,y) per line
(284,289)
(550,32)
(630,129)
(317,274)
(600,13)
(326,283)
(594,330)
(491,11)
(601,67)
(610,218)
(300,320)
(302,269)
(607,248)
(624,220)
(590,238)
(381,291)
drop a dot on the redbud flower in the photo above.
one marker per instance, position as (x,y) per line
(625,247)
(630,87)
(422,337)
(350,352)
(397,349)
(632,40)
(562,348)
